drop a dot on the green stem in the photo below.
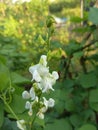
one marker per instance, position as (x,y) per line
(4,100)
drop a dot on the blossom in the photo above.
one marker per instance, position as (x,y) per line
(55,75)
(43,60)
(40,114)
(21,124)
(29,106)
(51,102)
(47,82)
(43,82)
(38,72)
(30,94)
(47,104)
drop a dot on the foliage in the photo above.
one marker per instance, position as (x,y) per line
(23,38)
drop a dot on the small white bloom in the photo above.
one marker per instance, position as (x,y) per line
(36,76)
(47,84)
(36,99)
(29,106)
(32,93)
(45,102)
(40,115)
(48,103)
(26,95)
(51,102)
(40,70)
(43,60)
(21,124)
(55,75)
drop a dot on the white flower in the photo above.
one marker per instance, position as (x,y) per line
(55,75)
(45,102)
(48,103)
(40,115)
(36,76)
(38,72)
(51,102)
(21,124)
(43,60)
(29,106)
(30,94)
(25,95)
(47,83)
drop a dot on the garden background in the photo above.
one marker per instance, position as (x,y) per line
(67,32)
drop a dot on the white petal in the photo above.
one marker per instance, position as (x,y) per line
(36,76)
(36,99)
(45,102)
(30,110)
(43,109)
(43,60)
(25,95)
(21,124)
(55,75)
(40,115)
(39,86)
(47,84)
(33,68)
(32,93)
(51,102)
(43,71)
(28,104)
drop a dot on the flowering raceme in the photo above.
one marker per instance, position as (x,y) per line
(40,73)
(43,82)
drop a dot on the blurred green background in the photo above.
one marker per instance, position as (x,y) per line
(71,44)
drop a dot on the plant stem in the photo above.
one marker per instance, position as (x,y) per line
(4,100)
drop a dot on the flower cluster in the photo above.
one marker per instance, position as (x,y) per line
(43,82)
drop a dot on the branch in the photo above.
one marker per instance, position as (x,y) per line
(84,47)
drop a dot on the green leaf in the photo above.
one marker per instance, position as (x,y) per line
(76,120)
(93,95)
(68,83)
(70,105)
(88,127)
(93,15)
(17,104)
(93,99)
(1,113)
(93,56)
(59,125)
(18,79)
(40,122)
(2,59)
(76,19)
(9,125)
(88,80)
(59,106)
(4,77)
